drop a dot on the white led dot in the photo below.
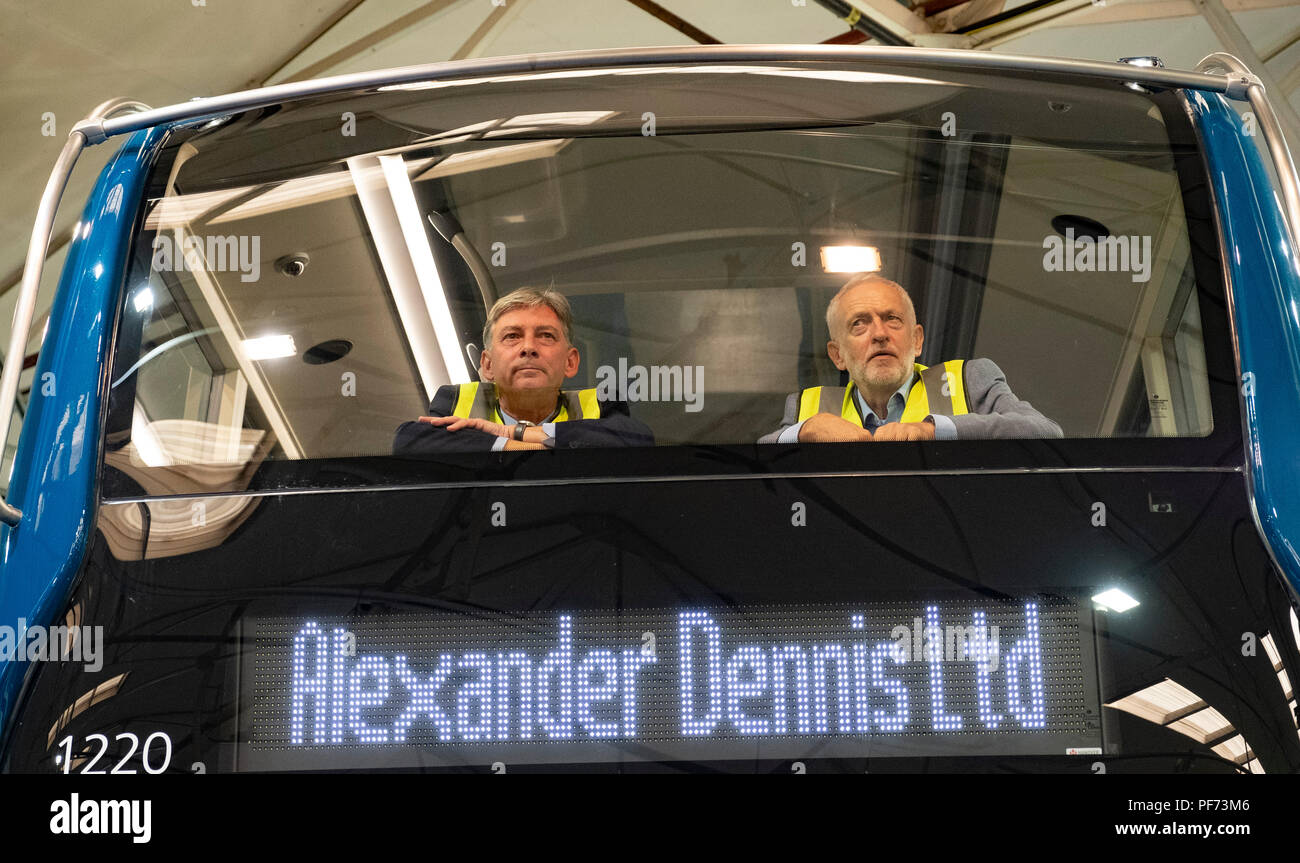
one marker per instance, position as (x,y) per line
(423,697)
(861,678)
(308,681)
(934,645)
(633,659)
(693,723)
(1026,655)
(896,721)
(474,698)
(555,686)
(824,657)
(367,687)
(984,654)
(746,679)
(517,666)
(790,654)
(596,682)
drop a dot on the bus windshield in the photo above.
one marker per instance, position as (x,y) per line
(312,280)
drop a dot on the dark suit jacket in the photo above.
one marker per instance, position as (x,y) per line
(995,412)
(614,428)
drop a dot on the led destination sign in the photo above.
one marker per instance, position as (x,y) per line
(871,678)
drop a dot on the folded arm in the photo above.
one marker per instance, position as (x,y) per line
(422,438)
(441,432)
(615,428)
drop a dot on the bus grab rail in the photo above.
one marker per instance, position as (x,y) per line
(103,123)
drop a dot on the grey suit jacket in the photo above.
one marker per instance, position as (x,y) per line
(995,412)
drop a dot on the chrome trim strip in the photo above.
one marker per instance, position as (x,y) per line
(34,266)
(618,480)
(1234,86)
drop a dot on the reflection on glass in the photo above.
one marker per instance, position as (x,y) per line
(1177,708)
(99,693)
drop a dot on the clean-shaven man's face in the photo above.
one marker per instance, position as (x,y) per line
(529,351)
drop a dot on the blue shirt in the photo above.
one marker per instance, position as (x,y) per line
(944,427)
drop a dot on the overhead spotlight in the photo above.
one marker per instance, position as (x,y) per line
(1145,62)
(851,259)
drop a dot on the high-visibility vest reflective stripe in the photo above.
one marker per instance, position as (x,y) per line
(940,390)
(480,402)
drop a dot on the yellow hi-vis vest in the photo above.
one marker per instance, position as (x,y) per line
(480,401)
(939,390)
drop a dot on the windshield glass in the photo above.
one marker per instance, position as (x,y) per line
(737,249)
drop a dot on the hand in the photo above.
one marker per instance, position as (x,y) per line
(523,444)
(906,431)
(457,423)
(828,428)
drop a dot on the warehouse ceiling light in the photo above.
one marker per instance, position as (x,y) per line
(269,347)
(851,259)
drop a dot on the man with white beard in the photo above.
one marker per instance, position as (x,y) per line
(891,397)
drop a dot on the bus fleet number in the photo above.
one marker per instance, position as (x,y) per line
(155,754)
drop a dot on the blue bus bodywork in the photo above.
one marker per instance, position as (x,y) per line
(57,463)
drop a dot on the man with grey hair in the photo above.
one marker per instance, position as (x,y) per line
(528,352)
(890,396)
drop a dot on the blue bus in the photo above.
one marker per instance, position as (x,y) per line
(764,408)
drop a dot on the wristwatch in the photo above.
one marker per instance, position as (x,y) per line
(518,433)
